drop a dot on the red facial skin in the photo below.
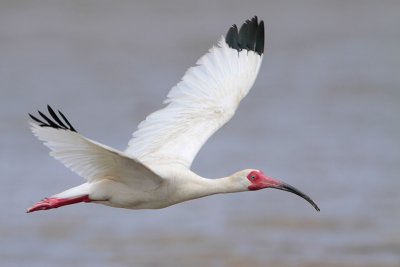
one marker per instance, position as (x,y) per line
(260,181)
(52,203)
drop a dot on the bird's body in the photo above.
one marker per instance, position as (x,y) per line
(181,185)
(154,170)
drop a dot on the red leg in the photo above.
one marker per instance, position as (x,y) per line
(52,203)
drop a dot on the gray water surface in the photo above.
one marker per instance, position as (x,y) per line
(323,116)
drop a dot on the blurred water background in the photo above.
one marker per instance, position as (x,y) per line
(323,116)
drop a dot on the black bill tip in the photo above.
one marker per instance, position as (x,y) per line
(291,189)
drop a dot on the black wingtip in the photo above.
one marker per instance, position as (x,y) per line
(53,122)
(250,36)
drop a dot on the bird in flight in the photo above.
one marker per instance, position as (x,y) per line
(153,172)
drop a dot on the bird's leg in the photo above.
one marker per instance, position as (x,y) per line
(52,203)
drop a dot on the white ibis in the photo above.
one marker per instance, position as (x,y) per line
(154,170)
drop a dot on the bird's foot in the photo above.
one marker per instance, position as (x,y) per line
(52,203)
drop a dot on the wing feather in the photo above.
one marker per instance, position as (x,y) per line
(203,101)
(89,159)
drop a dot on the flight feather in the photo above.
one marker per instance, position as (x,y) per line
(203,101)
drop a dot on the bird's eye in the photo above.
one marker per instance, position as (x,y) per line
(253,177)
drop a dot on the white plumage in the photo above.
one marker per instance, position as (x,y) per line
(154,170)
(205,99)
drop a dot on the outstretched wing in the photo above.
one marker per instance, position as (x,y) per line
(203,101)
(89,159)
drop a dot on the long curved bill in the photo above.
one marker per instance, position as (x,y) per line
(287,187)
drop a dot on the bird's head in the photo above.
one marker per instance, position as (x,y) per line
(256,180)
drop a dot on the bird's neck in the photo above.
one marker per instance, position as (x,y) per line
(201,187)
